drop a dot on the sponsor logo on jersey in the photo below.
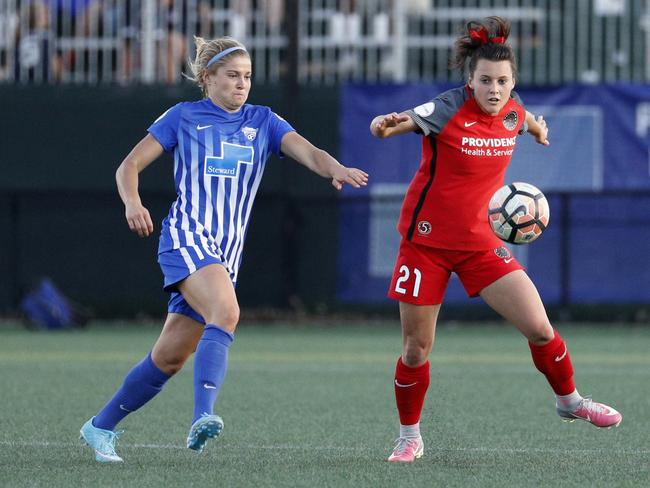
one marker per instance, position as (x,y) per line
(489,141)
(502,252)
(488,146)
(227,165)
(250,133)
(425,109)
(510,120)
(424,227)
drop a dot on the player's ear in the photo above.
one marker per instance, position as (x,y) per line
(208,76)
(470,80)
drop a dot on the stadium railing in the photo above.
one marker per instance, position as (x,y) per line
(126,41)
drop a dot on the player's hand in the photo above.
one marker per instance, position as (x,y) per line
(390,120)
(351,176)
(139,219)
(541,136)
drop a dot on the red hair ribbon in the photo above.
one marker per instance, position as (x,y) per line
(481,35)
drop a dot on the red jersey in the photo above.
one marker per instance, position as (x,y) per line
(465,154)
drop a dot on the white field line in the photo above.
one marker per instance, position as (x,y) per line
(307,448)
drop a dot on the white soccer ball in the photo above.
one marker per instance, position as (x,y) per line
(518,213)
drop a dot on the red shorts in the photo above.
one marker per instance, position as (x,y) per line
(421,272)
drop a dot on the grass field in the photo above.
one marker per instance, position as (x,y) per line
(314,407)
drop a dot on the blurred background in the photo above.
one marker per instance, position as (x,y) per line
(81,80)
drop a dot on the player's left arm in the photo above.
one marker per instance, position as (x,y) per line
(320,162)
(537,128)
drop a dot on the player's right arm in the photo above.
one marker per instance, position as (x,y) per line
(392,124)
(126,176)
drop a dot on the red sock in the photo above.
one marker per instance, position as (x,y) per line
(410,389)
(553,361)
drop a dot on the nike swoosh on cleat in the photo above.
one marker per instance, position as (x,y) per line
(560,358)
(211,387)
(122,407)
(397,383)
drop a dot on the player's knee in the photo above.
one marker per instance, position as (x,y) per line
(416,352)
(541,333)
(226,317)
(171,363)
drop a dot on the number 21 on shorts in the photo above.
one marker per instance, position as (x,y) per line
(404,275)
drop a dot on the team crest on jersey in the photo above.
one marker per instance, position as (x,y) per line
(424,227)
(502,252)
(510,120)
(250,133)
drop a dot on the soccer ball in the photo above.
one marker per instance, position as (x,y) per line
(518,213)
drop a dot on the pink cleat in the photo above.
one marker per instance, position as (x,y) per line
(407,450)
(598,414)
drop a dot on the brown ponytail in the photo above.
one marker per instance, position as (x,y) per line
(484,39)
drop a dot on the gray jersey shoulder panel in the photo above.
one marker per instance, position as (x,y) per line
(445,106)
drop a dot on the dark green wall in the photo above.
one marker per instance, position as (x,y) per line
(60,215)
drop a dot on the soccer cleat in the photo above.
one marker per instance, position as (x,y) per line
(597,414)
(207,427)
(407,450)
(102,441)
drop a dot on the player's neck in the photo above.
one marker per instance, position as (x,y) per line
(222,106)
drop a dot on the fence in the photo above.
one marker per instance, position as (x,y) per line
(317,41)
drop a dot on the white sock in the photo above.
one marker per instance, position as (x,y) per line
(409,431)
(569,401)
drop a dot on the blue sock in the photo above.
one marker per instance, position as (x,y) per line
(210,364)
(140,385)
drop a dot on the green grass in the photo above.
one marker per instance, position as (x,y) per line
(314,407)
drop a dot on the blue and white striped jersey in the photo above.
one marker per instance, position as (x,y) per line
(219,159)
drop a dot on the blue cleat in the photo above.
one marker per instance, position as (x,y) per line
(102,441)
(207,427)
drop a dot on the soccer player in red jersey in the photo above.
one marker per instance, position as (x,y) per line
(469,134)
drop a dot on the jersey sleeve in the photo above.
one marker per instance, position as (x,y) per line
(517,98)
(432,116)
(165,128)
(278,127)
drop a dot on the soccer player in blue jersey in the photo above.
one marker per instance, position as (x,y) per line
(221,146)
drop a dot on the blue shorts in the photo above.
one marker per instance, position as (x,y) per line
(178,264)
(177,304)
